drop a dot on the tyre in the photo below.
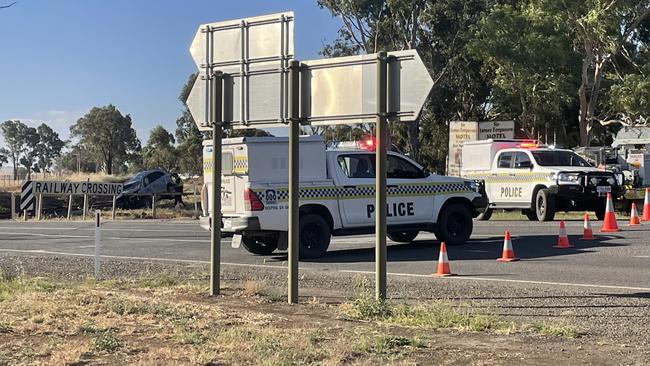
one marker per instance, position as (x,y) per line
(600,213)
(485,215)
(260,245)
(530,214)
(455,224)
(315,236)
(545,205)
(406,236)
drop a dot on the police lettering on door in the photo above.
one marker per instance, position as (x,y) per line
(511,192)
(394,209)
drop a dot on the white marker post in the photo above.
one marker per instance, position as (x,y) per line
(98,243)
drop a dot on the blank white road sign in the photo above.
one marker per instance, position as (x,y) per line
(254,53)
(343,89)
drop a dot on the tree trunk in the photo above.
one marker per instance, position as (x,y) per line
(109,165)
(413,132)
(583,122)
(13,161)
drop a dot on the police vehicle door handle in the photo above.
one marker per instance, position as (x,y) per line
(512,175)
(349,187)
(391,186)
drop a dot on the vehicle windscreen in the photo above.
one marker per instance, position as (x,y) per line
(559,158)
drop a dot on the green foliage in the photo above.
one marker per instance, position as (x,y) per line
(106,341)
(532,65)
(160,151)
(630,99)
(556,331)
(49,146)
(4,153)
(108,136)
(188,136)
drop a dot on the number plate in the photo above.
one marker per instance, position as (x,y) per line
(236,241)
(603,190)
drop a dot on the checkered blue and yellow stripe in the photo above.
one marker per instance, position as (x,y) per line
(368,191)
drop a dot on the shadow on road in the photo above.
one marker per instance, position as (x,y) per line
(533,247)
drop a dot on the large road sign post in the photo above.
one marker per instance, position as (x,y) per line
(263,86)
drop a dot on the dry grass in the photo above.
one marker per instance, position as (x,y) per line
(166,320)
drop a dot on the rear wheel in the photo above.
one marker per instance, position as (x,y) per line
(406,236)
(600,213)
(315,236)
(545,205)
(260,245)
(485,216)
(455,224)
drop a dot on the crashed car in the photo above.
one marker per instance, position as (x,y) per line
(138,189)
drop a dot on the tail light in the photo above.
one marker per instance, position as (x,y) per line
(252,202)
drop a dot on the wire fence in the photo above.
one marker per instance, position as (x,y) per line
(80,206)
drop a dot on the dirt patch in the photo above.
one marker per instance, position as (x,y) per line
(173,321)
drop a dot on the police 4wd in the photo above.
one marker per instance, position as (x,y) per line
(537,179)
(337,195)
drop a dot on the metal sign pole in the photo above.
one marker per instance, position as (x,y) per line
(294,180)
(380,178)
(216,86)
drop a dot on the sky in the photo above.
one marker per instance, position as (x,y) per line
(59,58)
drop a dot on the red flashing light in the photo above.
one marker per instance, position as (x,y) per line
(368,143)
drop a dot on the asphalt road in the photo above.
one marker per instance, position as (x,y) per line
(613,261)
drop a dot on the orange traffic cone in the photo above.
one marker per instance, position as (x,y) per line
(587,234)
(563,239)
(634,216)
(609,224)
(508,254)
(443,263)
(646,206)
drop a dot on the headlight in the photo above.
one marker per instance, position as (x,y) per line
(568,178)
(611,181)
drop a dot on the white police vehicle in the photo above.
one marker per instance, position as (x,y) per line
(537,179)
(337,195)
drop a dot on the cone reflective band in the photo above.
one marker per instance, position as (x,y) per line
(563,239)
(508,254)
(634,216)
(587,234)
(646,206)
(443,269)
(609,223)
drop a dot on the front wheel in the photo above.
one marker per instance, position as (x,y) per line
(530,214)
(402,236)
(315,236)
(545,205)
(262,245)
(455,224)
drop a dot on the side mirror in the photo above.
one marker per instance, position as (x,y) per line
(524,165)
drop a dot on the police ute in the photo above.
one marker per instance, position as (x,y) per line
(337,195)
(537,179)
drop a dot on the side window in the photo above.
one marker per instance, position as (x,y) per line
(357,165)
(152,178)
(226,163)
(505,160)
(522,161)
(402,169)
